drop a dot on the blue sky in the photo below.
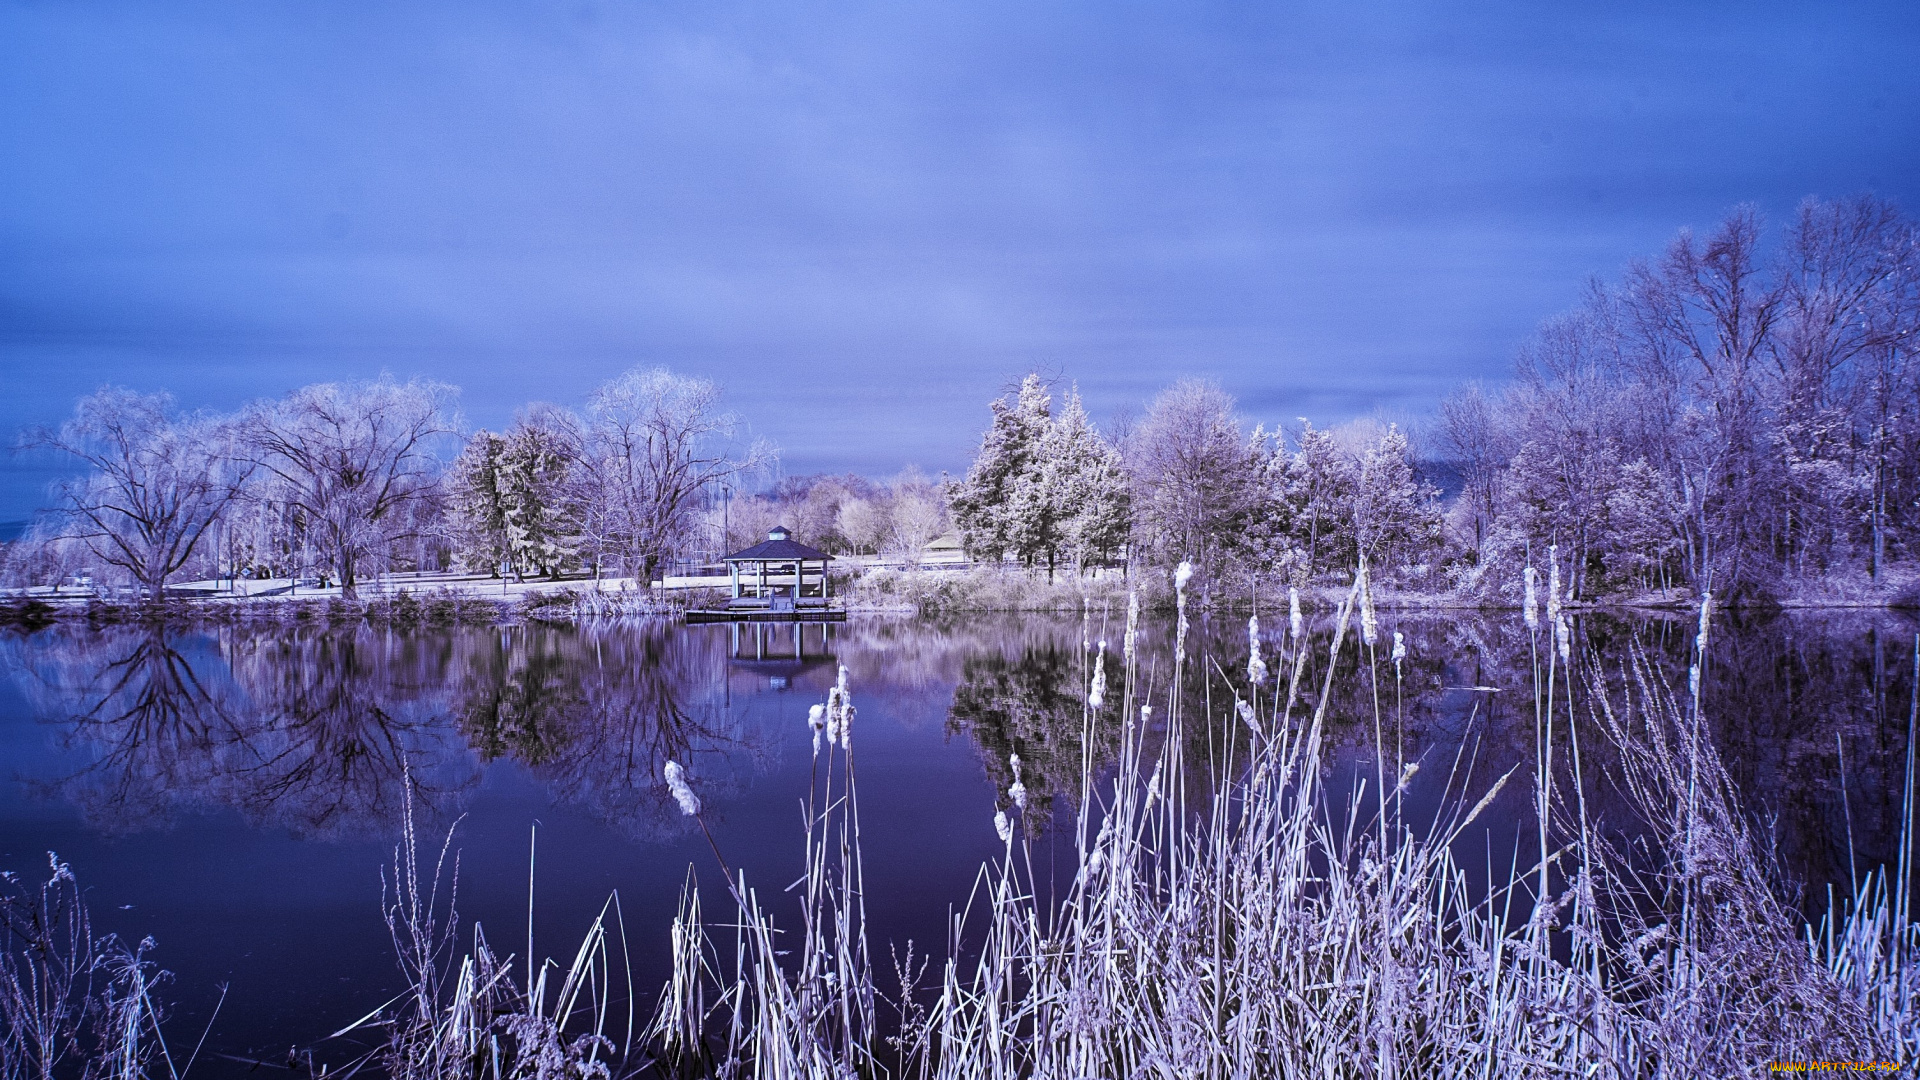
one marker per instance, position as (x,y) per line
(864,219)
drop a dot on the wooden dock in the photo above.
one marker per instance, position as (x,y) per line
(751,615)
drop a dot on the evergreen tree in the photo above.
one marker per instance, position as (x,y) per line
(477,503)
(997,508)
(1085,485)
(532,477)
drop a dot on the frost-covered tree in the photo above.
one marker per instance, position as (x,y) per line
(1199,481)
(538,499)
(918,518)
(994,507)
(1043,486)
(156,482)
(476,503)
(1733,411)
(1315,485)
(1637,545)
(1084,482)
(1395,516)
(1351,493)
(655,445)
(351,463)
(864,523)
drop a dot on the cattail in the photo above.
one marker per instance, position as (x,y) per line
(1295,621)
(1563,634)
(1399,651)
(1693,680)
(1553,583)
(1706,618)
(1003,826)
(1532,609)
(1180,576)
(1256,667)
(1369,623)
(1247,715)
(817,720)
(1097,693)
(840,713)
(1133,627)
(1407,773)
(1018,792)
(1146,714)
(682,794)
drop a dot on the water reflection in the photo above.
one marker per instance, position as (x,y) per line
(312,729)
(307,730)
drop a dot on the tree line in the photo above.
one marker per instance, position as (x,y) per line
(1189,483)
(342,481)
(1741,413)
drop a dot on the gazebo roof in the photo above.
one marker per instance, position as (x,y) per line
(778,548)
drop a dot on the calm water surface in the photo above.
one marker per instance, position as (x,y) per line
(236,792)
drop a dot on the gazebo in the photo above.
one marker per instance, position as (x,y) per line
(780,576)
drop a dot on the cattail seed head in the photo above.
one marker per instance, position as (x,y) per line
(1133,626)
(1256,665)
(1369,623)
(1003,825)
(1563,636)
(1399,651)
(1097,693)
(817,720)
(682,793)
(1295,621)
(1407,773)
(1706,619)
(1553,583)
(1018,793)
(1247,715)
(1532,608)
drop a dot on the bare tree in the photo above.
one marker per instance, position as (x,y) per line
(919,516)
(1470,439)
(656,442)
(1199,479)
(352,462)
(156,482)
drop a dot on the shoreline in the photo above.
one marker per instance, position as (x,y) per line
(564,602)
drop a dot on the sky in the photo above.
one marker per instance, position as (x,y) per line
(866,219)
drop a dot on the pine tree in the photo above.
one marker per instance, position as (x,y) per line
(996,508)
(540,523)
(1085,485)
(477,505)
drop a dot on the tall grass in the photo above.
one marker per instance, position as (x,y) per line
(72,1003)
(1233,918)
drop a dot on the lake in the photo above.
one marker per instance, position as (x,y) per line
(236,792)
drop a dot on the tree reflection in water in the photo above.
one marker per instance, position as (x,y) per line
(311,729)
(314,729)
(308,730)
(597,711)
(1787,698)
